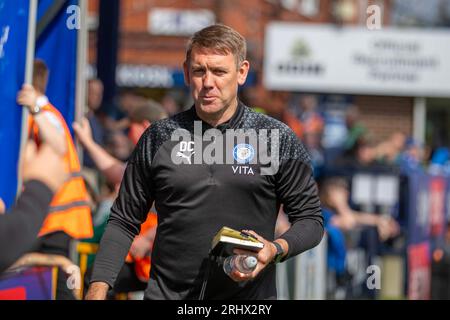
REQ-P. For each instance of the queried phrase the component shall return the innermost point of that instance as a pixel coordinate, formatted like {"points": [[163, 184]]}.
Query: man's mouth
{"points": [[208, 98]]}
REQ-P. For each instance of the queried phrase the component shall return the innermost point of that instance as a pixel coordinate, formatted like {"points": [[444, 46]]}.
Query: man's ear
{"points": [[243, 72], [145, 124], [186, 74]]}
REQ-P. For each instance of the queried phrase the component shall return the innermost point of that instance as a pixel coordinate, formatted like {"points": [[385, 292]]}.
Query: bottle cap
{"points": [[251, 262]]}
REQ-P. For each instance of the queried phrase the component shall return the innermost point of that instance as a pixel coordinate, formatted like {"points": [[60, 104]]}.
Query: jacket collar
{"points": [[232, 123]]}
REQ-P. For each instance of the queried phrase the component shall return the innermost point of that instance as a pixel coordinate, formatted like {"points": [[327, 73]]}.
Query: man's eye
{"points": [[220, 72], [198, 71]]}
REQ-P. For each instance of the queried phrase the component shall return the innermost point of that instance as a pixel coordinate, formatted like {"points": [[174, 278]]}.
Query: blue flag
{"points": [[13, 41], [57, 46]]}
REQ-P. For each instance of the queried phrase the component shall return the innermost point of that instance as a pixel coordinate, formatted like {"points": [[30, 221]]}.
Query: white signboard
{"points": [[162, 21], [355, 60], [311, 272], [144, 76]]}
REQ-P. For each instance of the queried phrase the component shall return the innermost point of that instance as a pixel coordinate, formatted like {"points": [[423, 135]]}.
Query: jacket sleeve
{"points": [[129, 211], [297, 191], [20, 226]]}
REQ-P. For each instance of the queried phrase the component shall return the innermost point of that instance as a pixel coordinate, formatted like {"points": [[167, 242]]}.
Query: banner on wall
{"points": [[419, 266], [437, 205], [34, 283], [419, 208], [428, 203]]}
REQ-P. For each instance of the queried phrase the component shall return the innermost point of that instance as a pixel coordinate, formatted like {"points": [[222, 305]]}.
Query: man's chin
{"points": [[210, 108]]}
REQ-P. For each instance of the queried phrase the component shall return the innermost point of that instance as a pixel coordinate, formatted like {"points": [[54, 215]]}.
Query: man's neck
{"points": [[218, 118]]}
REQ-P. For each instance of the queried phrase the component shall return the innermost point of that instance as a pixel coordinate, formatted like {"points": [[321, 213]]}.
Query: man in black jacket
{"points": [[201, 179]]}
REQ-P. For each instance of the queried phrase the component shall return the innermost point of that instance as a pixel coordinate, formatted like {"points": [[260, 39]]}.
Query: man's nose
{"points": [[208, 81]]}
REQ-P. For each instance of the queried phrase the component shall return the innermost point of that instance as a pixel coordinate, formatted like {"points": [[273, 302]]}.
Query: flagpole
{"points": [[82, 47], [31, 41]]}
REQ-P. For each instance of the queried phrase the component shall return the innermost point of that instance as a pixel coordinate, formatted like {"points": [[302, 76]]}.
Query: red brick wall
{"points": [[247, 17], [93, 7], [383, 115]]}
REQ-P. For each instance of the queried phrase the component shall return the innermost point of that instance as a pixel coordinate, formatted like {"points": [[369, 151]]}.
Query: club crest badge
{"points": [[243, 153]]}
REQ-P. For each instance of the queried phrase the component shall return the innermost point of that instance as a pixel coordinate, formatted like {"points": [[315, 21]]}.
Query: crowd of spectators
{"points": [[351, 227]]}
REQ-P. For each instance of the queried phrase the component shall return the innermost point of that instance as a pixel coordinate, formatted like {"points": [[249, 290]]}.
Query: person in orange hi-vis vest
{"points": [[69, 215]]}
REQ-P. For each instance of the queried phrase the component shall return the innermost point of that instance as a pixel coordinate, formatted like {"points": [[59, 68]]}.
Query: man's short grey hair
{"points": [[220, 39]]}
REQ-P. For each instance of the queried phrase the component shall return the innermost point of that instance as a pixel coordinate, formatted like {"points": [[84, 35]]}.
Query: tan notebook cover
{"points": [[228, 239]]}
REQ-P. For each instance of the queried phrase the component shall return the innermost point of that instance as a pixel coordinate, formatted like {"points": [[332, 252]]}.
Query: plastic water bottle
{"points": [[241, 263]]}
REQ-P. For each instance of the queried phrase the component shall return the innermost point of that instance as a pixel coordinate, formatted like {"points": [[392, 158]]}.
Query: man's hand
{"points": [[27, 96], [83, 131], [387, 228], [97, 291], [143, 243], [141, 247], [2, 206], [45, 165], [264, 256]]}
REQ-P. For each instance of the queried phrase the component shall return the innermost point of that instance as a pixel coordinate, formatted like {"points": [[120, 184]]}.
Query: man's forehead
{"points": [[216, 54]]}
